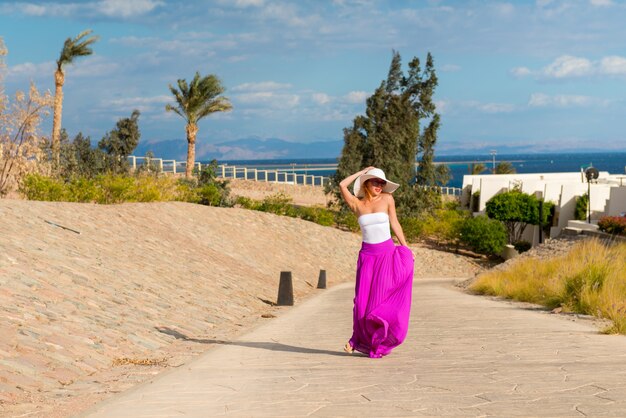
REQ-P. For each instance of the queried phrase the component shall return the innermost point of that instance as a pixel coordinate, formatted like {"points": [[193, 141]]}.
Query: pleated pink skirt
{"points": [[382, 300]]}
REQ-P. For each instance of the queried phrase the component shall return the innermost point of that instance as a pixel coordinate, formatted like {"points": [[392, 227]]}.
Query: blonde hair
{"points": [[366, 190]]}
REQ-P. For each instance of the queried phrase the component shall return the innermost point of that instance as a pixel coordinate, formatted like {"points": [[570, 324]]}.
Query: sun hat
{"points": [[390, 187]]}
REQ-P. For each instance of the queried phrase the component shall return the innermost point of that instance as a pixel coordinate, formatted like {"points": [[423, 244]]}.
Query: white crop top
{"points": [[375, 227]]}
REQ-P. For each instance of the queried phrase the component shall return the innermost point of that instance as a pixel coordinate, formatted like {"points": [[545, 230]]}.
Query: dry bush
{"points": [[590, 279], [21, 150]]}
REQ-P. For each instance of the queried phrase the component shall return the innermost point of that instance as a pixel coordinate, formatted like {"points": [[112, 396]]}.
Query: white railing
{"points": [[277, 175], [284, 176]]}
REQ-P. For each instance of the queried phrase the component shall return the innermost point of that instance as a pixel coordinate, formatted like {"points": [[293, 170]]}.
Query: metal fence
{"points": [[279, 175]]}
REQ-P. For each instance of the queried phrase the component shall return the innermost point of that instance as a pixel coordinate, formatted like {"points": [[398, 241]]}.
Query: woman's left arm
{"points": [[393, 220]]}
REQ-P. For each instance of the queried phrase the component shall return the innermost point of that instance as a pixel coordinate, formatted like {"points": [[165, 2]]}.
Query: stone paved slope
{"points": [[465, 356], [143, 287]]}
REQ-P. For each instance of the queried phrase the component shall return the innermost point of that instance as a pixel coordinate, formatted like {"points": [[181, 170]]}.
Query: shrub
{"points": [[412, 227], [318, 215], [346, 219], [38, 187], [590, 279], [613, 225], [484, 235], [522, 246], [152, 188], [209, 195], [445, 224], [116, 189], [517, 210], [82, 189], [279, 204], [580, 212], [247, 203]]}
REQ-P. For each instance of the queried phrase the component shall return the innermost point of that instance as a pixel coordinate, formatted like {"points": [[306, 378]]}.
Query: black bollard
{"points": [[285, 289], [321, 282]]}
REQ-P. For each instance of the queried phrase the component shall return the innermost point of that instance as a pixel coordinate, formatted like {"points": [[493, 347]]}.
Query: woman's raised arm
{"points": [[348, 197]]}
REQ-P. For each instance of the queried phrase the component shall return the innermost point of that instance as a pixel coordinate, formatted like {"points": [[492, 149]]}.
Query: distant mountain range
{"points": [[274, 149], [243, 149]]}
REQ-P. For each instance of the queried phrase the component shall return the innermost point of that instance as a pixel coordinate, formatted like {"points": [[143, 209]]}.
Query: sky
{"points": [[548, 75]]}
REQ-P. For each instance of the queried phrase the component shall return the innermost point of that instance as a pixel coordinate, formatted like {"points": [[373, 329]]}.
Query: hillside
{"points": [[145, 287]]}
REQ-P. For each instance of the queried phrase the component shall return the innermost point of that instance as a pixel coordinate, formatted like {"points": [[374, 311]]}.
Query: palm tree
{"points": [[72, 48], [505, 167], [477, 168], [194, 101]]}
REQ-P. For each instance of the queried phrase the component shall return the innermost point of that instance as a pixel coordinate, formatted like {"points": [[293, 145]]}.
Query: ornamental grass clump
{"points": [[590, 279]]}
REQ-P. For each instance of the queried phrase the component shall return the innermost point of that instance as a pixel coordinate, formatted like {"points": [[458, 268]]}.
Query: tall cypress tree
{"points": [[388, 136]]}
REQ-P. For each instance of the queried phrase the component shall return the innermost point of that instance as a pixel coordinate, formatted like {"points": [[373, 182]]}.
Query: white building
{"points": [[607, 194]]}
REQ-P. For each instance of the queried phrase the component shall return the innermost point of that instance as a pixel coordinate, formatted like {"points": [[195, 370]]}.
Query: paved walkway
{"points": [[464, 356]]}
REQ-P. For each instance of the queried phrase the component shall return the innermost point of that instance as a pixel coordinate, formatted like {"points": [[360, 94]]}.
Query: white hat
{"points": [[390, 187]]}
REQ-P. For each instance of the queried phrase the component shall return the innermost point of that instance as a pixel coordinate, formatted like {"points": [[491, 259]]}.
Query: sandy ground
{"points": [[258, 190], [96, 299]]}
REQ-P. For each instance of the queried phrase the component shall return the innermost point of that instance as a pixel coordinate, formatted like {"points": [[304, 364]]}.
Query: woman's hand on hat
{"points": [[365, 170]]}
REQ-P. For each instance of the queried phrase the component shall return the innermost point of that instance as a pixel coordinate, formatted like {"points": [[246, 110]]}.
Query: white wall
{"points": [[617, 201]]}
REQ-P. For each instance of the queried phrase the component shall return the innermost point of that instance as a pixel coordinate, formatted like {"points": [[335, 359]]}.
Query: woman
{"points": [[384, 275]]}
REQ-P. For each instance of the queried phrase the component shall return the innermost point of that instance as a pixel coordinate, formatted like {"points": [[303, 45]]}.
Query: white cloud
{"points": [[93, 66], [450, 68], [565, 100], [29, 70], [110, 8], [601, 3], [320, 98], [356, 97], [490, 107], [568, 66], [521, 71], [242, 4], [126, 8], [136, 101], [268, 98], [614, 65], [505, 9], [262, 86], [248, 3]]}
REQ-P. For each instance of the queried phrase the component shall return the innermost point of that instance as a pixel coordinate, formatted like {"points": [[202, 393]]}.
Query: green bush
{"points": [[209, 195], [484, 235], [318, 215], [82, 189], [516, 210], [279, 204], [522, 246], [116, 188], [346, 219], [445, 224], [247, 203], [580, 212], [613, 225], [412, 227], [38, 187]]}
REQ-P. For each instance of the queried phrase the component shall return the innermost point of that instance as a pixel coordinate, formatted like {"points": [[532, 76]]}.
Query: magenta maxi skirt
{"points": [[382, 300]]}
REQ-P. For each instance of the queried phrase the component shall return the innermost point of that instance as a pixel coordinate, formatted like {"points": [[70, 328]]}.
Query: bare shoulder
{"points": [[388, 197]]}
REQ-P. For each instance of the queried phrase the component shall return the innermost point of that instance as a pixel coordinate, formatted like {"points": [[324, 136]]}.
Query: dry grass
{"points": [[590, 279]]}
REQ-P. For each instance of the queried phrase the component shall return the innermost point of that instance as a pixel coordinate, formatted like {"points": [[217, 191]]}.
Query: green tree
{"points": [[517, 210], [119, 143], [477, 168], [72, 48], [505, 167], [483, 235], [388, 136], [194, 101]]}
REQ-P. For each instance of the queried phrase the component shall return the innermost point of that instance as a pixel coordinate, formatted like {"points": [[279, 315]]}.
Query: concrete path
{"points": [[464, 356]]}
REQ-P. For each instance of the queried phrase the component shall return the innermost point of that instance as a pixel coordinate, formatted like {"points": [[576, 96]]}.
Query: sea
{"points": [[460, 165]]}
